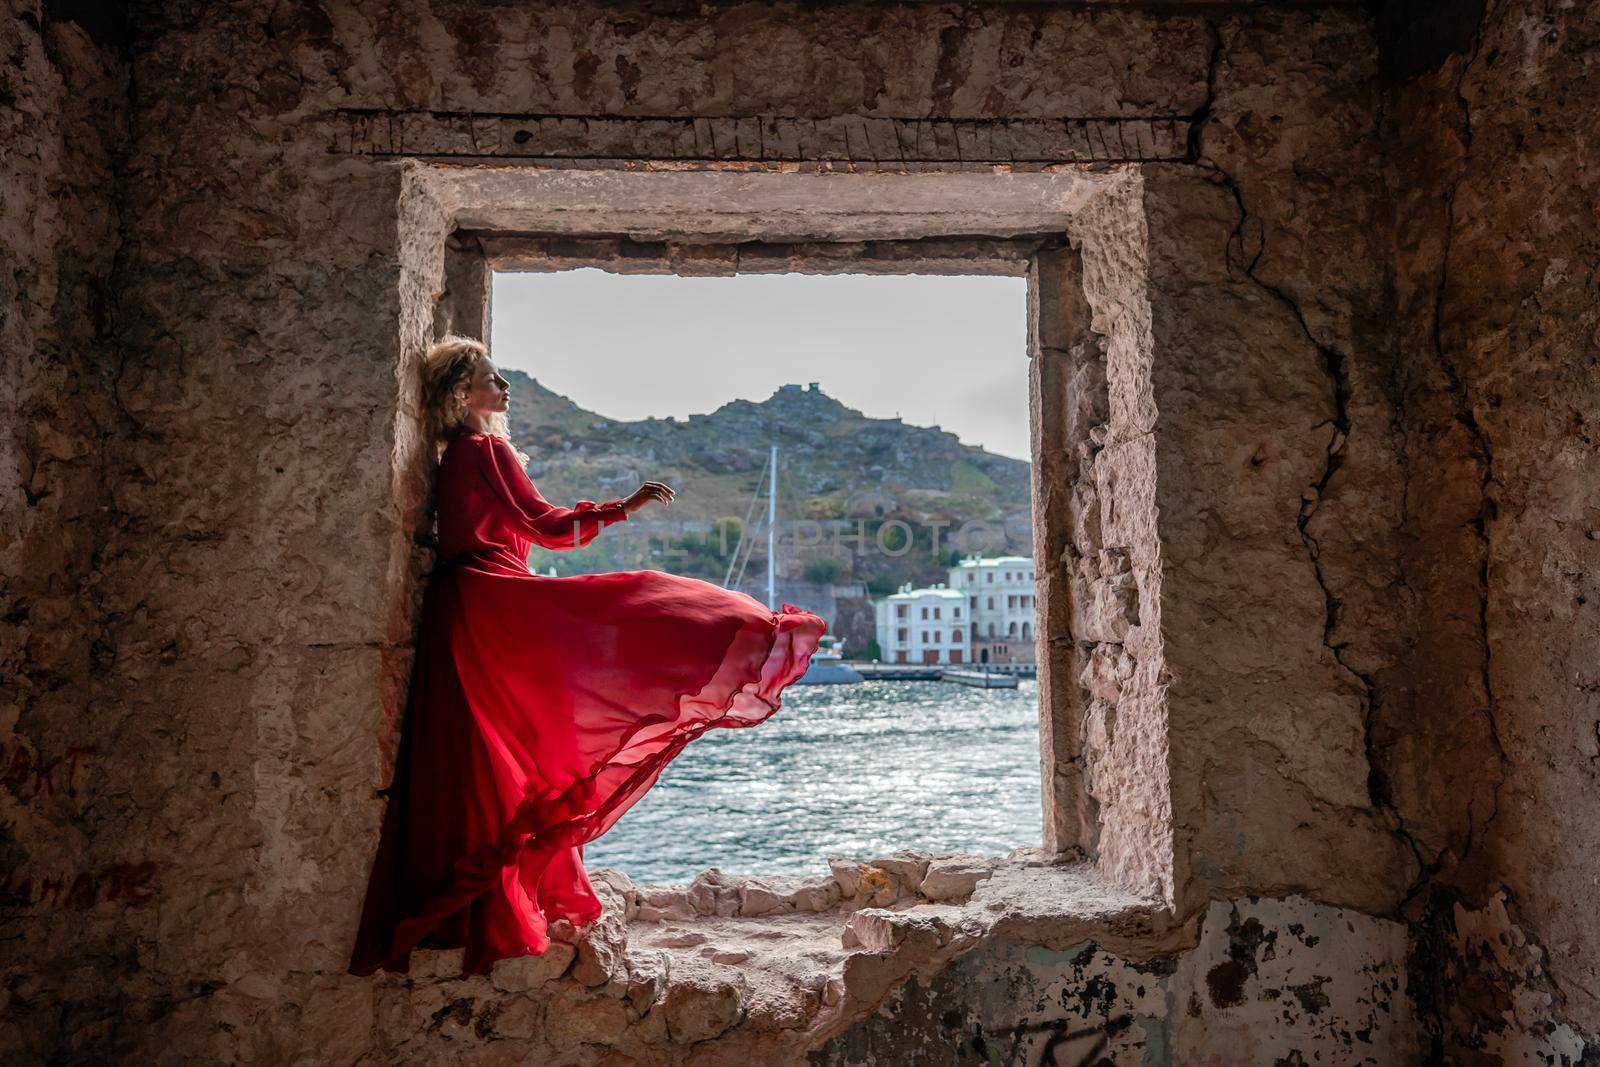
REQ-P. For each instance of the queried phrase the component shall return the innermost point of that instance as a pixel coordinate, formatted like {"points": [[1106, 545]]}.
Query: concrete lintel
{"points": [[722, 207], [1009, 257]]}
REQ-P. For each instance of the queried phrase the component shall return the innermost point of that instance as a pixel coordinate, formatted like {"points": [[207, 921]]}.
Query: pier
{"points": [[979, 679], [997, 674]]}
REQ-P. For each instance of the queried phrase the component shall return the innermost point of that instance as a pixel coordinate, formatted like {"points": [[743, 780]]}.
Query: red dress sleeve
{"points": [[548, 525]]}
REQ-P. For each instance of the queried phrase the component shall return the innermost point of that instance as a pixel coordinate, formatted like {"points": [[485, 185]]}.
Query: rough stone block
{"points": [[529, 972], [1112, 608], [703, 1008], [817, 895], [953, 878], [906, 864], [647, 978], [520, 1017], [589, 1020], [713, 893], [435, 963], [870, 929], [1109, 667], [761, 898], [602, 952], [616, 891], [846, 875]]}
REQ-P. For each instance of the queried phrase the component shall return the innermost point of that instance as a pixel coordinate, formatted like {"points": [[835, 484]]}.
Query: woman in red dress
{"points": [[541, 708]]}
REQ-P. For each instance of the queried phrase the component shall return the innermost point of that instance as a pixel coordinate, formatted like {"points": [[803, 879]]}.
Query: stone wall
{"points": [[1353, 414]]}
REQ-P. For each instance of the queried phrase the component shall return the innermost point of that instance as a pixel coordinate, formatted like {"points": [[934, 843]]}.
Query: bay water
{"points": [[848, 770]]}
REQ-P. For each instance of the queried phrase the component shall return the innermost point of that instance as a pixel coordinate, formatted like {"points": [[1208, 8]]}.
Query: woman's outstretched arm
{"points": [[549, 525]]}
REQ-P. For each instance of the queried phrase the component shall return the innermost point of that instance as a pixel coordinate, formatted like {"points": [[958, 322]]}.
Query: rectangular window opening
{"points": [[899, 405]]}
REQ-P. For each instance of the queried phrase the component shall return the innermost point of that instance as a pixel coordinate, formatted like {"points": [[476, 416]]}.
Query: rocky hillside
{"points": [[834, 463]]}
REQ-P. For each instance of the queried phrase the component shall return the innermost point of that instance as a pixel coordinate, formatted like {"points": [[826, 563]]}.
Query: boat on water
{"points": [[828, 666], [979, 677]]}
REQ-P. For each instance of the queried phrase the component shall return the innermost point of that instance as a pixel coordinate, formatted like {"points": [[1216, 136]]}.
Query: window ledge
{"points": [[811, 955]]}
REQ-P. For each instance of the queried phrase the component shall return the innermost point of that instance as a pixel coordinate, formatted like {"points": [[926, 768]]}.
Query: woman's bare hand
{"points": [[647, 492]]}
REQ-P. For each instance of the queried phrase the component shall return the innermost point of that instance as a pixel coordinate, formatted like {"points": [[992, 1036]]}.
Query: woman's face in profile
{"points": [[489, 392]]}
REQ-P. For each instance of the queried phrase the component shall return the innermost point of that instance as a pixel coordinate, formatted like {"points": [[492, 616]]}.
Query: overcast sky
{"points": [[946, 351]]}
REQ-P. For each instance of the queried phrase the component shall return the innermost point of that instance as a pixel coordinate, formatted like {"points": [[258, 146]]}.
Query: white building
{"points": [[1001, 607], [923, 626]]}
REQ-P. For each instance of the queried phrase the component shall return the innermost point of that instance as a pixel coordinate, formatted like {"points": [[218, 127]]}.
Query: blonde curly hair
{"points": [[447, 371]]}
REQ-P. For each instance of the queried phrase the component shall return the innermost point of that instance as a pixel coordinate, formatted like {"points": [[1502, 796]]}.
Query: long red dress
{"points": [[540, 710]]}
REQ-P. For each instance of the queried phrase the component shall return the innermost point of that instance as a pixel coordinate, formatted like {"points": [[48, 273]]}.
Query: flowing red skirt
{"points": [[540, 710]]}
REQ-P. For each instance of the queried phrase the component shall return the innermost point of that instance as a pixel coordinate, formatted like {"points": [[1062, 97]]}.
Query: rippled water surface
{"points": [[853, 770]]}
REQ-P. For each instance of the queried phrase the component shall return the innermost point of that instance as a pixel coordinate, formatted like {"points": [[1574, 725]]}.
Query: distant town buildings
{"points": [[922, 625], [984, 614]]}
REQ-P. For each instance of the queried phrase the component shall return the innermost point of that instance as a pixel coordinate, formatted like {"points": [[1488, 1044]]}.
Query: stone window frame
{"points": [[1076, 233]]}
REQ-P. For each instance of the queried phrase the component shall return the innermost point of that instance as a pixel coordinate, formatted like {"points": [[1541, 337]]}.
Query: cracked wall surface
{"points": [[1268, 290], [1340, 507], [1493, 764]]}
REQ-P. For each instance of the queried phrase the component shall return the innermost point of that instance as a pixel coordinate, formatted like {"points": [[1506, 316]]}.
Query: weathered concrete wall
{"points": [[1236, 490], [1365, 583], [1493, 761], [1276, 477], [270, 305], [63, 115], [1279, 981]]}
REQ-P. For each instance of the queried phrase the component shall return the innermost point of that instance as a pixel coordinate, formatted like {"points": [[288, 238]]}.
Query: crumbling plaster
{"points": [[1286, 979], [1369, 338]]}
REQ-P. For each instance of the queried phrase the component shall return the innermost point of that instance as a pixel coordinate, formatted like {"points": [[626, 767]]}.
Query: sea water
{"points": [[846, 770]]}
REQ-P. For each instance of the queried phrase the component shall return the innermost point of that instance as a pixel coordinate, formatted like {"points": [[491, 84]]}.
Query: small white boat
{"points": [[827, 665], [977, 676]]}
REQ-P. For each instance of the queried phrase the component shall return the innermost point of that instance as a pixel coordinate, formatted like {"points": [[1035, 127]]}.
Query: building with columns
{"points": [[1001, 607]]}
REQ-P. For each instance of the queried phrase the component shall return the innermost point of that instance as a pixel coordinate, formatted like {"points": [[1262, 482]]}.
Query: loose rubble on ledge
{"points": [[796, 958]]}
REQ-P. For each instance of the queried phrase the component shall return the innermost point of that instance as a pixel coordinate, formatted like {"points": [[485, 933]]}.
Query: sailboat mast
{"points": [[772, 523]]}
